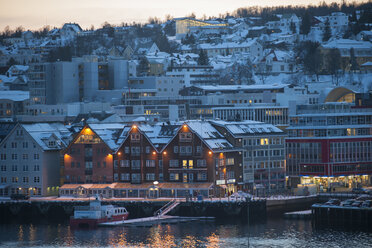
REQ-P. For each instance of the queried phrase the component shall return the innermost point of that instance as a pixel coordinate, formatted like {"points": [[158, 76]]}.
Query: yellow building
{"points": [[183, 25]]}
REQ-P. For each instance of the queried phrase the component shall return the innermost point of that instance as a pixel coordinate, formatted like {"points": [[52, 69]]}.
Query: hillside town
{"points": [[265, 103]]}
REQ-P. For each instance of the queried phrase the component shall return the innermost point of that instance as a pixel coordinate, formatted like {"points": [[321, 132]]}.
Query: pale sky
{"points": [[34, 14]]}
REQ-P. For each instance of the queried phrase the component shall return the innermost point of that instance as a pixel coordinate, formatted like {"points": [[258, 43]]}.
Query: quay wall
{"points": [[59, 211]]}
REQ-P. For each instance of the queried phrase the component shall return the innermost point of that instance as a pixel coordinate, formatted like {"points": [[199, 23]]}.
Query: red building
{"points": [[330, 145], [89, 157]]}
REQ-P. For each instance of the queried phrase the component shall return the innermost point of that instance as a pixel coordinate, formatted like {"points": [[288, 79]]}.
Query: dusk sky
{"points": [[34, 14]]}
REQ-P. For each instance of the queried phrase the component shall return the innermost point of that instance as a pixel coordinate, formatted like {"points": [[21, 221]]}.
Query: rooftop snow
{"points": [[15, 95]]}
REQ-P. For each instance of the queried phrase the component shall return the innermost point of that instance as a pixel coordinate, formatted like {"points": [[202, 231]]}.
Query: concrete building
{"points": [[263, 153]]}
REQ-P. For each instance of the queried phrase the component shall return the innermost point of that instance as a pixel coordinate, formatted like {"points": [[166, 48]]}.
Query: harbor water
{"points": [[270, 233]]}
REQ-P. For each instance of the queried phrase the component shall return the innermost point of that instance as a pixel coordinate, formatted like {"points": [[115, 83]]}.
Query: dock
{"points": [[155, 220], [303, 215]]}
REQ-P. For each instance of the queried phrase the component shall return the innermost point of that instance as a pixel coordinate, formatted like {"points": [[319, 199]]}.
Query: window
{"points": [[126, 149], [191, 164], [72, 164], [124, 163], [14, 167], [134, 137], [230, 161], [3, 179], [36, 156], [150, 176], [184, 164], [24, 156], [175, 149], [198, 149], [147, 149], [14, 144], [116, 164], [150, 163], [104, 164], [36, 179], [264, 142], [136, 177], [125, 177], [25, 145], [201, 163], [135, 150], [36, 167], [173, 176], [135, 164], [25, 180], [116, 177], [3, 156], [184, 137], [173, 163], [14, 156], [14, 179], [3, 168]]}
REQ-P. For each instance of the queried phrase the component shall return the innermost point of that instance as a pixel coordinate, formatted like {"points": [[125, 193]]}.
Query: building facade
{"points": [[330, 144]]}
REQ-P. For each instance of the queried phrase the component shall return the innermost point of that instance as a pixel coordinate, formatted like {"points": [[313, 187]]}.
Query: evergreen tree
{"points": [[312, 59], [306, 23], [143, 67], [353, 63], [334, 63], [327, 31], [293, 28], [203, 58], [11, 62], [162, 42]]}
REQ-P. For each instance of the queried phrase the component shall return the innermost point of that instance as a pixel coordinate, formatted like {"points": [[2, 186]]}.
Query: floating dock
{"points": [[303, 215], [149, 221], [327, 214]]}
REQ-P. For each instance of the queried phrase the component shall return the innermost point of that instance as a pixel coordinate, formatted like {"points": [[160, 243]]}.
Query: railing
{"points": [[166, 208]]}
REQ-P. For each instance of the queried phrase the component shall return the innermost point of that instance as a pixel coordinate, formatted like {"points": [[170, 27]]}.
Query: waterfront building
{"points": [[263, 152], [31, 160], [13, 102], [330, 144], [89, 157]]}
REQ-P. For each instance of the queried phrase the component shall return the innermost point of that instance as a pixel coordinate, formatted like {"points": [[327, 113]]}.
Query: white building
{"points": [[30, 159]]}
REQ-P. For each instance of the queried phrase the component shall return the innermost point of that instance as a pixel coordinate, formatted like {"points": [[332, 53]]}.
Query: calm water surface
{"points": [[273, 233]]}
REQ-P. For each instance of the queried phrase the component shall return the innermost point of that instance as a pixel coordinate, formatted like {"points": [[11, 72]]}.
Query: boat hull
{"points": [[93, 223]]}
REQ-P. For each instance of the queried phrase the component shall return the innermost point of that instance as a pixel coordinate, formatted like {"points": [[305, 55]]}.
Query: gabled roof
{"points": [[109, 133], [209, 135], [41, 132]]}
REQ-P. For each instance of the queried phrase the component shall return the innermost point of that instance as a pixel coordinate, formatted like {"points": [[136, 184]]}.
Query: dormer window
{"points": [[51, 143]]}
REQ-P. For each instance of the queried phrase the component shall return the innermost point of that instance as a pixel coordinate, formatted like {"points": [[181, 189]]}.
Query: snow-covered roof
{"points": [[209, 134], [248, 127], [15, 95], [348, 44], [44, 132], [109, 133], [226, 45], [241, 87]]}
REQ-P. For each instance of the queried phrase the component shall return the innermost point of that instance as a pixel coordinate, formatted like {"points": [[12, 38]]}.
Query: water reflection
{"points": [[273, 233]]}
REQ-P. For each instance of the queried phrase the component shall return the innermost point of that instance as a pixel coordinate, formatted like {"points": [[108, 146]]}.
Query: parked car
{"points": [[333, 202], [358, 191], [367, 204], [347, 203], [240, 196], [357, 203], [19, 197], [364, 197]]}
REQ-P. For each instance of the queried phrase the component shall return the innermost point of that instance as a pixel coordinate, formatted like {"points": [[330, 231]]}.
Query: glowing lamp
{"points": [[165, 153], [134, 126], [210, 153], [119, 153], [185, 126], [153, 153]]}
